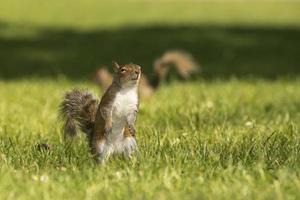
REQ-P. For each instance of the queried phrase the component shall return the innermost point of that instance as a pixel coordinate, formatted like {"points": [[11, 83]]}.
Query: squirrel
{"points": [[110, 124], [182, 61]]}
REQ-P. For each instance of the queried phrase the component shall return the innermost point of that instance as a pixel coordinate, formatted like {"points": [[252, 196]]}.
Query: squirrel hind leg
{"points": [[103, 152], [129, 147]]}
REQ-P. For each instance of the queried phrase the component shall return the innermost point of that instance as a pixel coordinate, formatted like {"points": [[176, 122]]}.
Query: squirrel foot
{"points": [[132, 130], [107, 131]]}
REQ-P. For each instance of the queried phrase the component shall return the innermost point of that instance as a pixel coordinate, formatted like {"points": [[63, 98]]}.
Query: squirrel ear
{"points": [[116, 66]]}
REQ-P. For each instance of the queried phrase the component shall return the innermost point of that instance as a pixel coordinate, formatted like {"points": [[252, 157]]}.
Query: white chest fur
{"points": [[125, 102]]}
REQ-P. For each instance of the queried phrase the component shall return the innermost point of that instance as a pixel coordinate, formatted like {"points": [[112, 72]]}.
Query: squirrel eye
{"points": [[123, 70]]}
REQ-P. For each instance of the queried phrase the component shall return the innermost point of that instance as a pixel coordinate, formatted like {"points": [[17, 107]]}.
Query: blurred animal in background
{"points": [[146, 90], [103, 78], [183, 63]]}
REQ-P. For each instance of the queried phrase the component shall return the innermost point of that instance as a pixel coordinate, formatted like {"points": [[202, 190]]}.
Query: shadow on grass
{"points": [[222, 51]]}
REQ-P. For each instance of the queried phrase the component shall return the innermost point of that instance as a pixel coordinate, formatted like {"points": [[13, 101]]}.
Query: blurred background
{"points": [[241, 38]]}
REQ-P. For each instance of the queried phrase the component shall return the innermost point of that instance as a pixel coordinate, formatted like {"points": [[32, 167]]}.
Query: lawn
{"points": [[231, 133], [220, 139]]}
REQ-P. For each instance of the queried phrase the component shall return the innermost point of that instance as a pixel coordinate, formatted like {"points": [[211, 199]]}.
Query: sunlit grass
{"points": [[220, 139], [95, 14], [214, 138]]}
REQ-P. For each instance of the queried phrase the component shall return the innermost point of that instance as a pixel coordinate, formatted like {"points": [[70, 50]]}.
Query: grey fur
{"points": [[131, 118], [78, 109]]}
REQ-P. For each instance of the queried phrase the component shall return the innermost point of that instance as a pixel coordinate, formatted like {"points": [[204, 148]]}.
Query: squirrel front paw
{"points": [[132, 130], [107, 131]]}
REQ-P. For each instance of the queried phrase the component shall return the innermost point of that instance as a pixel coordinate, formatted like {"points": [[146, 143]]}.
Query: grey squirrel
{"points": [[110, 124], [182, 61]]}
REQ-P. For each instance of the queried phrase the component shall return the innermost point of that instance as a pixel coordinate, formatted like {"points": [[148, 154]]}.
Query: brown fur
{"points": [[145, 89], [103, 78], [183, 62], [122, 77]]}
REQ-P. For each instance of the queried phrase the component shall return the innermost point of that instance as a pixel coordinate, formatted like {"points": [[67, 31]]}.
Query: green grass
{"points": [[236, 139], [227, 38], [232, 133], [102, 14]]}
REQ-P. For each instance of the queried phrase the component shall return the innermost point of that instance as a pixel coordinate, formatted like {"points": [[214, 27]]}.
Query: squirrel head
{"points": [[127, 75]]}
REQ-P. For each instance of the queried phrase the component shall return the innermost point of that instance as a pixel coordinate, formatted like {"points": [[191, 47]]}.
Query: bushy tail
{"points": [[78, 109]]}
